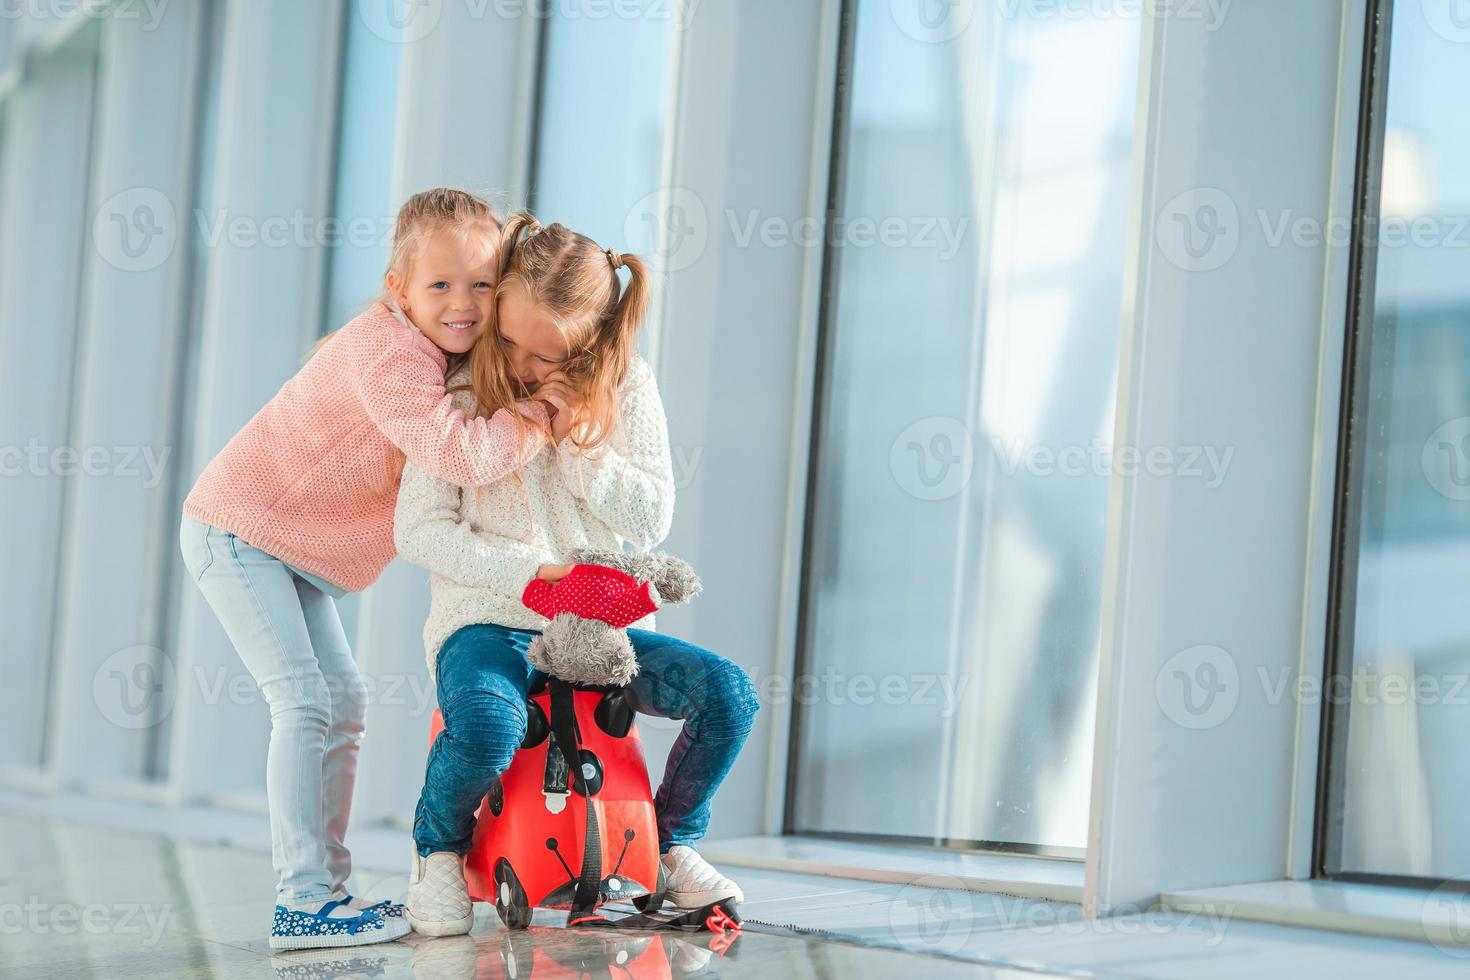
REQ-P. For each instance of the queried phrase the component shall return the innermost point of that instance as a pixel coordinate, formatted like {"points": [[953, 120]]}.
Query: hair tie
{"points": [[614, 258]]}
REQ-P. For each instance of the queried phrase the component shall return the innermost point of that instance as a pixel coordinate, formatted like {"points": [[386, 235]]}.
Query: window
{"points": [[363, 194], [1399, 701], [362, 205], [600, 137], [46, 168], [959, 483]]}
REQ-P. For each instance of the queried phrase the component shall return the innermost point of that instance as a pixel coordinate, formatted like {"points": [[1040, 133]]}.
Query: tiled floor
{"points": [[84, 900]]}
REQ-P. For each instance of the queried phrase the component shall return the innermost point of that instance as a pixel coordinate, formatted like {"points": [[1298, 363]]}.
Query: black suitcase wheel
{"points": [[511, 902], [653, 901], [614, 713], [537, 726]]}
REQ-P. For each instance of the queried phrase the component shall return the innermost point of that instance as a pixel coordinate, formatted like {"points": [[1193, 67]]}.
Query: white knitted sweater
{"points": [[481, 555]]}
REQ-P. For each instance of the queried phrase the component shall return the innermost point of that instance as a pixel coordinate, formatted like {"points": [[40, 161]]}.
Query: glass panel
{"points": [[1404, 777], [951, 630], [604, 89], [362, 206], [47, 169], [363, 200], [205, 203]]}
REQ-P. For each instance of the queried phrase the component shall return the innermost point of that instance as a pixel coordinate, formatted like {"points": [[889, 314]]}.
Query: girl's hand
{"points": [[564, 401], [553, 573]]}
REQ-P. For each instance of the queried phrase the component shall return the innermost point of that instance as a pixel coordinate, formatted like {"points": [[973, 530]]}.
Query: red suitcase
{"points": [[550, 837]]}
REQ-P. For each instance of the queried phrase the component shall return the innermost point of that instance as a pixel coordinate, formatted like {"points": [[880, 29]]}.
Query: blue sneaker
{"points": [[299, 929]]}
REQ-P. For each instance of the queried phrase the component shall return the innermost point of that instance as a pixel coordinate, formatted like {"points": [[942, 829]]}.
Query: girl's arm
{"points": [[632, 492], [402, 389], [429, 531]]}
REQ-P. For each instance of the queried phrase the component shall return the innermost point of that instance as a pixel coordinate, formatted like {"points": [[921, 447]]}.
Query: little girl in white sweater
{"points": [[564, 331]]}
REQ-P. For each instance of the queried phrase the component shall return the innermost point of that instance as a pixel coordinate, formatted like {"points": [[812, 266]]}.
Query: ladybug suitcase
{"points": [[549, 836]]}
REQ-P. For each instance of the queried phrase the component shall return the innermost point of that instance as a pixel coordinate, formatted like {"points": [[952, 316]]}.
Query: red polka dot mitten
{"points": [[590, 608]]}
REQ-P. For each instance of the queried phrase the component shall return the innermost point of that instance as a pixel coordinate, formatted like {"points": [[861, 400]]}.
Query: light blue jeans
{"points": [[287, 632]]}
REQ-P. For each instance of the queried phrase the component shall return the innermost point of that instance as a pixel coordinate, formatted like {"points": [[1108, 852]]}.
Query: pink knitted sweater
{"points": [[313, 478]]}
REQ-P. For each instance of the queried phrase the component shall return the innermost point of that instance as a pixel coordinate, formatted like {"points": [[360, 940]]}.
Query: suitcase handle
{"points": [[564, 731]]}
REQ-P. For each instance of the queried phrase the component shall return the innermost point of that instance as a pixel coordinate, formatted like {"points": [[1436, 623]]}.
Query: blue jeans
{"points": [[483, 679], [286, 631]]}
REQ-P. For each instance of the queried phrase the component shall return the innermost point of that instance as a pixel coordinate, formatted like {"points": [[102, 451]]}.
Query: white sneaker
{"points": [[691, 882], [438, 898]]}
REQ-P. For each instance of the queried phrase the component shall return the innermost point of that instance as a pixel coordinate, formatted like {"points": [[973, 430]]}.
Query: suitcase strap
{"points": [[564, 730]]}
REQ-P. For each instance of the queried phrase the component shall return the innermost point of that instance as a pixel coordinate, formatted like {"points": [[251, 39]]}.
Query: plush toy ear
{"points": [[583, 651], [601, 556], [641, 565]]}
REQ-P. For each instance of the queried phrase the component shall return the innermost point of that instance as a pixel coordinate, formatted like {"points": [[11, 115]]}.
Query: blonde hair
{"points": [[468, 217], [575, 282], [426, 214]]}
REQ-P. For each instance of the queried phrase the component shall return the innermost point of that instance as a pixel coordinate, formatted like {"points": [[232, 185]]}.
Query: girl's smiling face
{"points": [[449, 291], [532, 343]]}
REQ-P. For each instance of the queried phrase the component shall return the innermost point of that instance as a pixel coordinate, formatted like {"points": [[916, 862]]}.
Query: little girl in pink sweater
{"points": [[297, 509]]}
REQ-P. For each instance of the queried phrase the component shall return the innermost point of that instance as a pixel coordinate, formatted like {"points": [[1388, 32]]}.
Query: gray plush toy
{"points": [[586, 640]]}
